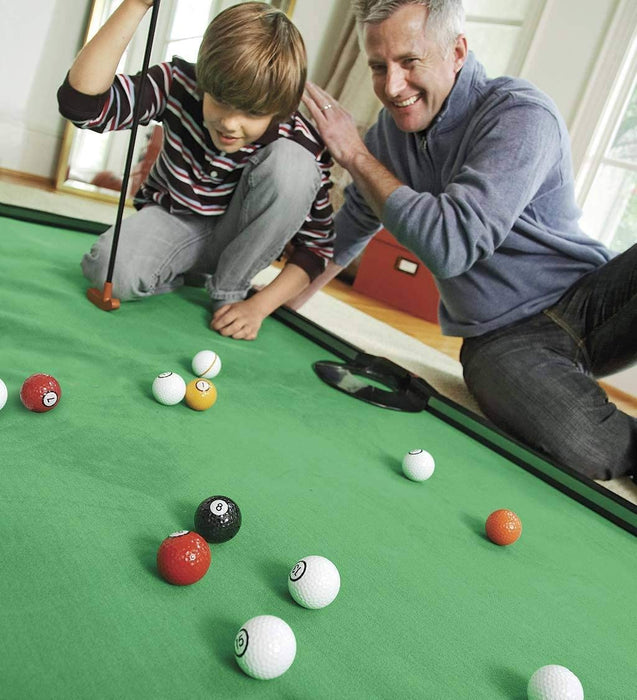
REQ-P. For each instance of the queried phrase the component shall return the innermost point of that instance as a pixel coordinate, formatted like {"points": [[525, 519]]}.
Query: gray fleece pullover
{"points": [[488, 203]]}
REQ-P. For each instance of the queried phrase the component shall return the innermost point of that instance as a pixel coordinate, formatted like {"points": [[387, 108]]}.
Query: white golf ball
{"points": [[206, 364], [3, 394], [265, 647], [314, 582], [554, 682], [418, 465], [169, 388]]}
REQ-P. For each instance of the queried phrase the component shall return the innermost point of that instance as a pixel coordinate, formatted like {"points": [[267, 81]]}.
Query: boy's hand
{"points": [[240, 320]]}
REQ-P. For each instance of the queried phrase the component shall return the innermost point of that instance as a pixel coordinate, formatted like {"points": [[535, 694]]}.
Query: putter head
{"points": [[103, 299]]}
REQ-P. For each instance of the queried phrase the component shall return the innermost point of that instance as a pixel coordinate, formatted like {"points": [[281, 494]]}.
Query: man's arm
{"points": [[93, 70], [500, 174], [242, 319]]}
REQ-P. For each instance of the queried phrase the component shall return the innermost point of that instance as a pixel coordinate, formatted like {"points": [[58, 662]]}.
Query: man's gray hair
{"points": [[445, 20]]}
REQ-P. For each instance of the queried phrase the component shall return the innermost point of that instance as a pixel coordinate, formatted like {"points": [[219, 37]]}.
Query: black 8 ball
{"points": [[218, 519]]}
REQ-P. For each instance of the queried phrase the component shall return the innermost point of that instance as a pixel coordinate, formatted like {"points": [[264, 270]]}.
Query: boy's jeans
{"points": [[535, 379], [156, 249]]}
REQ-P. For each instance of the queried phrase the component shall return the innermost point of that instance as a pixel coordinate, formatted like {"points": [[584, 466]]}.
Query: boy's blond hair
{"points": [[252, 58]]}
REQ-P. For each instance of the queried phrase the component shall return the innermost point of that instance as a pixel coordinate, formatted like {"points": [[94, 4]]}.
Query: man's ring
{"points": [[326, 107]]}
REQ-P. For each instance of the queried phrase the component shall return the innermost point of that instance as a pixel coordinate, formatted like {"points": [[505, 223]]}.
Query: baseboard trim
{"points": [[616, 394], [29, 179]]}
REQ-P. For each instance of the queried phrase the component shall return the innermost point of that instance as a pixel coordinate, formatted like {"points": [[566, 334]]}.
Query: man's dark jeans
{"points": [[535, 379]]}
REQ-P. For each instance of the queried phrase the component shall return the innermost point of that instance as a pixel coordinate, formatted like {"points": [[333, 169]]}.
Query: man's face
{"points": [[231, 129], [410, 73]]}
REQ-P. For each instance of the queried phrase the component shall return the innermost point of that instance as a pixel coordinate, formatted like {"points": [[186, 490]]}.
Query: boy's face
{"points": [[231, 129]]}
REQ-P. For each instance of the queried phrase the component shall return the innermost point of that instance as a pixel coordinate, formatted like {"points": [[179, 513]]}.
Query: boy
{"points": [[240, 175]]}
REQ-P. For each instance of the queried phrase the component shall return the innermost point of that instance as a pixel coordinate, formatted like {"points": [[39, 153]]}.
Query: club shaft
{"points": [[131, 144]]}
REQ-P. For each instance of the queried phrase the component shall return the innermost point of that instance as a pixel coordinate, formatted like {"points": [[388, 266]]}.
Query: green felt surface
{"points": [[428, 606]]}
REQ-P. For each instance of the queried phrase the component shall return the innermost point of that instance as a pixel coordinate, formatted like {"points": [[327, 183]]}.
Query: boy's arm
{"points": [[242, 319], [93, 70], [331, 270]]}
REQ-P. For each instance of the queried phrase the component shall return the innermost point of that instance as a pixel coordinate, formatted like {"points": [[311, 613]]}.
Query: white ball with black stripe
{"points": [[418, 465]]}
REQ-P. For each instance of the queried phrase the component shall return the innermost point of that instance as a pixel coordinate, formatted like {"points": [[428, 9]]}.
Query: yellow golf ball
{"points": [[200, 394]]}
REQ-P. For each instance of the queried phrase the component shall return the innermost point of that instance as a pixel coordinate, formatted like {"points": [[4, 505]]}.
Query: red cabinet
{"points": [[392, 274]]}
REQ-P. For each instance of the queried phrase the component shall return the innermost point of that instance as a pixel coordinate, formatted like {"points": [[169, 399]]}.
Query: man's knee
{"points": [[600, 445], [604, 447], [575, 426]]}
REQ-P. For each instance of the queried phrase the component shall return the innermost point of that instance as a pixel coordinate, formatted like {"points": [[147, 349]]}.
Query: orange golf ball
{"points": [[200, 394], [503, 527]]}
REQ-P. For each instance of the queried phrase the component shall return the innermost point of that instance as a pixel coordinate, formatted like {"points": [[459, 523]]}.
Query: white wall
{"points": [[38, 41]]}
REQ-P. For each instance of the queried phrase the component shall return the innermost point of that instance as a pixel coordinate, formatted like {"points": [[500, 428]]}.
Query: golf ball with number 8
{"points": [[217, 519]]}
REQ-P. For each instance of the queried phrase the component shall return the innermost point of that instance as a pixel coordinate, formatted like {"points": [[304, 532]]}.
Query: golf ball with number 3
{"points": [[265, 647], [554, 682], [314, 582], [418, 465]]}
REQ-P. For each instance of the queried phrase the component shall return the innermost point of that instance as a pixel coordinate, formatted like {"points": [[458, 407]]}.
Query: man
{"points": [[475, 177]]}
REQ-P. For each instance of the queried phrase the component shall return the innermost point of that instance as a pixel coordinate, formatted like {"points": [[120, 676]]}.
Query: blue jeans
{"points": [[535, 379], [157, 251]]}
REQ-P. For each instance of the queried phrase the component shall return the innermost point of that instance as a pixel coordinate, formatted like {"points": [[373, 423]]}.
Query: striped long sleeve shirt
{"points": [[190, 174]]}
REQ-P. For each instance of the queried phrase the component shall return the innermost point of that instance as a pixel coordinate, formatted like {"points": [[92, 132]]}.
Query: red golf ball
{"points": [[183, 558], [40, 393]]}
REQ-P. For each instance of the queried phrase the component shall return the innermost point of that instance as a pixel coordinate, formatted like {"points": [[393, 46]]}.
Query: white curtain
{"points": [[350, 83]]}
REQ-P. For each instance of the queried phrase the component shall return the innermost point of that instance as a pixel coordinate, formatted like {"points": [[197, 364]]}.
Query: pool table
{"points": [[428, 606]]}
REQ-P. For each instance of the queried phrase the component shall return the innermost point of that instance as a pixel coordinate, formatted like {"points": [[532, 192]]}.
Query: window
{"points": [[607, 185], [499, 32], [188, 22]]}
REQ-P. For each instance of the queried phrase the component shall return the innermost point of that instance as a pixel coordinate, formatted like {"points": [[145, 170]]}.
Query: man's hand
{"points": [[240, 320], [335, 124], [338, 130]]}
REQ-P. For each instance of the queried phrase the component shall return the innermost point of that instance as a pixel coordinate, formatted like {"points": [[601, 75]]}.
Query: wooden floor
{"points": [[424, 331]]}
